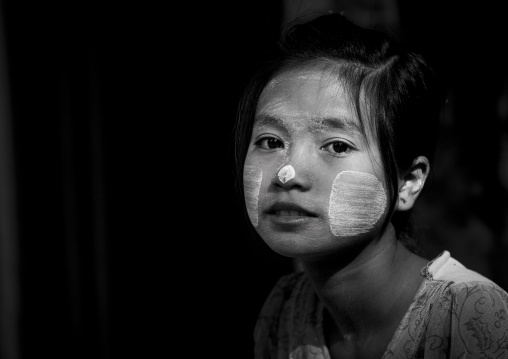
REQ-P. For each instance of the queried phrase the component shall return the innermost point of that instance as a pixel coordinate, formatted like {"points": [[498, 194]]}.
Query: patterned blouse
{"points": [[456, 313]]}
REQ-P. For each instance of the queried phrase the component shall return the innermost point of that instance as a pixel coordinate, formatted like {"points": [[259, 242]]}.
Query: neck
{"points": [[371, 292]]}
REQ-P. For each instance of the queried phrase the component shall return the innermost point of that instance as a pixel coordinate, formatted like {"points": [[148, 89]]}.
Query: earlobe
{"points": [[411, 185]]}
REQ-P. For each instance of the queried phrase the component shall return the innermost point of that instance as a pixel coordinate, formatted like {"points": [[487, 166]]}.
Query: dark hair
{"points": [[402, 91]]}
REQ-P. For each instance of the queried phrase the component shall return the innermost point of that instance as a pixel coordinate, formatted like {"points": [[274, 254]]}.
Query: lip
{"points": [[289, 212]]}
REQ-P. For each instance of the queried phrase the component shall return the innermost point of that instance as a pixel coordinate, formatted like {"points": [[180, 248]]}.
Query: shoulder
{"points": [[479, 319], [287, 304], [464, 285], [289, 282], [446, 268], [477, 308], [285, 287], [283, 294], [469, 291]]}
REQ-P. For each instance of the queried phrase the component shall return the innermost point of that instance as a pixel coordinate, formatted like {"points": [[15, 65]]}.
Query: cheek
{"points": [[357, 202], [252, 178]]}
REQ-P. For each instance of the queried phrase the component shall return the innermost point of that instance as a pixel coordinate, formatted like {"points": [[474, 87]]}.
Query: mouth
{"points": [[286, 209], [290, 213]]}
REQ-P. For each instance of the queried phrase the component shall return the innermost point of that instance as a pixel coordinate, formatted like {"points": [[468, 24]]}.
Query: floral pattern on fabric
{"points": [[445, 320], [454, 320]]}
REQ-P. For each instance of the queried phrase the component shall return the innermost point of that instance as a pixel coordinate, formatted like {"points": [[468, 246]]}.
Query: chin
{"points": [[298, 245], [312, 243]]}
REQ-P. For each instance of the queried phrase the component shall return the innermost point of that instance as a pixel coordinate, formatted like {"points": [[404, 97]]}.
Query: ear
{"points": [[411, 184]]}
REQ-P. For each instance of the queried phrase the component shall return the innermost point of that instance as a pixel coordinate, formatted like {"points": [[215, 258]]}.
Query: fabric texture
{"points": [[456, 313]]}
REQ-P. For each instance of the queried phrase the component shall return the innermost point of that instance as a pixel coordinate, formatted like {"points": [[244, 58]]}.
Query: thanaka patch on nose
{"points": [[357, 201], [252, 178], [286, 173]]}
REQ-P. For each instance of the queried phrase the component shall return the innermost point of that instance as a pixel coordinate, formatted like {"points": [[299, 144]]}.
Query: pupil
{"points": [[273, 143], [339, 147]]}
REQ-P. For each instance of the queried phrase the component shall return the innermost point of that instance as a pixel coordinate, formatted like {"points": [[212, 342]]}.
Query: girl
{"points": [[335, 137]]}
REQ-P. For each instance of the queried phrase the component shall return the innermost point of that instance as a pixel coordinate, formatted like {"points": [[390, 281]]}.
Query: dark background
{"points": [[130, 240]]}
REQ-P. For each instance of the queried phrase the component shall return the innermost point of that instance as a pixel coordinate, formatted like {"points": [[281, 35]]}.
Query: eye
{"points": [[338, 148], [269, 143]]}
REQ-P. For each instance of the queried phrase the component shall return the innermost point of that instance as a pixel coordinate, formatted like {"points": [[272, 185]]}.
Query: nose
{"points": [[296, 171], [286, 174], [289, 177], [292, 177]]}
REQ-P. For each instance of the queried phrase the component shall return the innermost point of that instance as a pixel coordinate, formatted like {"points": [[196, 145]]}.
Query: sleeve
{"points": [[479, 321], [269, 337]]}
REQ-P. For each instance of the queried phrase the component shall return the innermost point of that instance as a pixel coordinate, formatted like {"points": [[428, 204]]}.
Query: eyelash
{"points": [[347, 150], [261, 143]]}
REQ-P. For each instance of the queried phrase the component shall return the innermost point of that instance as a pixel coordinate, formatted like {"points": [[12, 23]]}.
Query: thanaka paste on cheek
{"points": [[286, 173], [252, 178], [357, 201]]}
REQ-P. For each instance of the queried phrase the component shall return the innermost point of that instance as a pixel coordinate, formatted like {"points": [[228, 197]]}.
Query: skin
{"points": [[358, 277]]}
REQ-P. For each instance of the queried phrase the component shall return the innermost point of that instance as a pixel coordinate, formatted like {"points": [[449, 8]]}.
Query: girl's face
{"points": [[312, 186]]}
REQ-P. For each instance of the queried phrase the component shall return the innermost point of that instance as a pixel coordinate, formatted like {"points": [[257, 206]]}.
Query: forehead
{"points": [[305, 93]]}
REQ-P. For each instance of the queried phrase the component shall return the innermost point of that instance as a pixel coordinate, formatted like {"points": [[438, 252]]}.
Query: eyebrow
{"points": [[316, 123], [270, 121], [334, 123]]}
